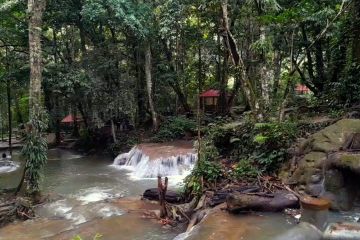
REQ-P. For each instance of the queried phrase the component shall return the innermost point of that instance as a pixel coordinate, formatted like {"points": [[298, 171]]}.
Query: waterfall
{"points": [[142, 166]]}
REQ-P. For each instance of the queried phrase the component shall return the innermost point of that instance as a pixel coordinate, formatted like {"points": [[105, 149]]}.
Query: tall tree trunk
{"points": [[57, 120], [234, 93], [113, 131], [83, 115], [319, 59], [222, 104], [149, 85], [239, 63], [1, 123], [19, 115], [8, 91], [356, 32], [140, 86], [200, 63], [310, 64], [277, 73], [8, 95], [266, 73], [35, 9], [57, 101], [175, 85]]}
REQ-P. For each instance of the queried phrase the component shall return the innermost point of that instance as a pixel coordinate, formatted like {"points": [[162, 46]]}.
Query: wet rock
{"points": [[322, 159], [342, 231], [314, 189], [347, 160], [171, 196], [316, 178], [237, 202], [303, 231], [353, 115], [334, 180]]}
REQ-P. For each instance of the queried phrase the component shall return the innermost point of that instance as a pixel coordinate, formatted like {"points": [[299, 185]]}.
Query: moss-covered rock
{"points": [[348, 160], [322, 162]]}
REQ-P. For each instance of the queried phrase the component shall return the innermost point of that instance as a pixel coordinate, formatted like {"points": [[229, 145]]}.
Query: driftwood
{"points": [[19, 208], [181, 212], [279, 201], [196, 218]]}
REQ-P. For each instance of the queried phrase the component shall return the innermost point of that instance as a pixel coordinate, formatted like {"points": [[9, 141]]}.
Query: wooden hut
{"points": [[209, 100], [301, 89]]}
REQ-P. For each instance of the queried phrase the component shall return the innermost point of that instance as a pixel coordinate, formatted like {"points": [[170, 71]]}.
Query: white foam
{"points": [[76, 218], [95, 194], [141, 167], [7, 166], [110, 211]]}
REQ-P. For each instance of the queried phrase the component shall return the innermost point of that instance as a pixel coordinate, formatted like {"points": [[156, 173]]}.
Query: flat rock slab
{"points": [[342, 231]]}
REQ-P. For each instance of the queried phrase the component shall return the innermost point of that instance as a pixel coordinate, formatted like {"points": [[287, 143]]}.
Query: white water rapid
{"points": [[141, 166], [7, 166]]}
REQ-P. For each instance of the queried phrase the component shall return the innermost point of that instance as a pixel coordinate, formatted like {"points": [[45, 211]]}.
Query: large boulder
{"points": [[342, 231], [237, 202], [303, 231], [327, 165]]}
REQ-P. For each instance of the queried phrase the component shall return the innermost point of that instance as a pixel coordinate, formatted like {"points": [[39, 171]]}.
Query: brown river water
{"points": [[94, 197]]}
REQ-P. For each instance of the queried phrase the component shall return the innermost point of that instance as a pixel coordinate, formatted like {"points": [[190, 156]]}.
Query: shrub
{"points": [[174, 128], [205, 171], [246, 168], [264, 145], [271, 143]]}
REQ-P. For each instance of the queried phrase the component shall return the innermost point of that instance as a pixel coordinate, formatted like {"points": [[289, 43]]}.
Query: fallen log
{"points": [[220, 197], [237, 202], [170, 196]]}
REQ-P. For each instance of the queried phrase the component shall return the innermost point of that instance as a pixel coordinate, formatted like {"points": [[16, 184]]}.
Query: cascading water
{"points": [[142, 166], [7, 166]]}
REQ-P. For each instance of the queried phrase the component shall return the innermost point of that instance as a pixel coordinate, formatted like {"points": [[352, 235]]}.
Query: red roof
{"points": [[70, 119], [302, 88], [210, 93]]}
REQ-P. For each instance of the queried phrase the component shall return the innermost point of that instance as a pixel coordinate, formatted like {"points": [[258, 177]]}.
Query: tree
{"points": [[149, 84], [35, 149]]}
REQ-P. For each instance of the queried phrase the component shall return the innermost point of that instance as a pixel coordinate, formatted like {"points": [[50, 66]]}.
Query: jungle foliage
{"points": [[120, 65]]}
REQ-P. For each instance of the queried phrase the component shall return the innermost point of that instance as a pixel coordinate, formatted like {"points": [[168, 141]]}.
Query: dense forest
{"points": [[139, 60], [244, 78]]}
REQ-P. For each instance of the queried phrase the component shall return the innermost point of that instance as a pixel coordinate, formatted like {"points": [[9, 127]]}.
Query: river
{"points": [[94, 197]]}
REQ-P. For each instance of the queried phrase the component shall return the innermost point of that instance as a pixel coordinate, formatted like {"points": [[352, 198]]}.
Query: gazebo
{"points": [[302, 89], [209, 100], [69, 119]]}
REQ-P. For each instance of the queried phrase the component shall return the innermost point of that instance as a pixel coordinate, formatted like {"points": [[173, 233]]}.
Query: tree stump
{"points": [[162, 188]]}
